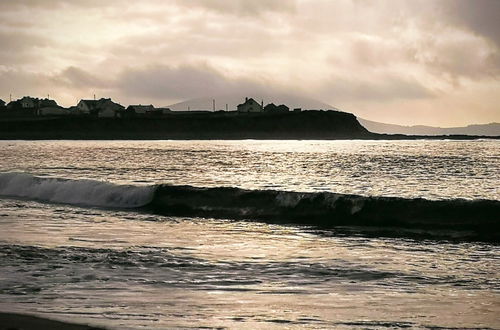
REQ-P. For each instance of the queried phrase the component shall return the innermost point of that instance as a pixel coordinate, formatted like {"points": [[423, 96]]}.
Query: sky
{"points": [[430, 62]]}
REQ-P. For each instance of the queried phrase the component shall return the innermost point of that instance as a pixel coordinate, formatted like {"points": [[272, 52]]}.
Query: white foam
{"points": [[78, 192]]}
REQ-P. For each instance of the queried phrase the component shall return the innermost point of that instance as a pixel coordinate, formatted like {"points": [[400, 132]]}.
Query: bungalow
{"points": [[109, 109], [163, 110], [272, 108], [47, 103], [87, 106], [103, 108], [143, 110], [250, 105]]}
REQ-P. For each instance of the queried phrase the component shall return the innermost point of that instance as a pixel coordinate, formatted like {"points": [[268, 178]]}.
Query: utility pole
{"points": [[226, 106], [10, 97], [94, 97], [213, 104]]}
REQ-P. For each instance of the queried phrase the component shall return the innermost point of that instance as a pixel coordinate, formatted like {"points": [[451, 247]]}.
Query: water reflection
{"points": [[143, 270], [431, 169]]}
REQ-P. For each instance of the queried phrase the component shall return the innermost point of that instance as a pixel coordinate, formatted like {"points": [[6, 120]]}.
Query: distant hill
{"points": [[232, 100], [297, 101], [492, 129]]}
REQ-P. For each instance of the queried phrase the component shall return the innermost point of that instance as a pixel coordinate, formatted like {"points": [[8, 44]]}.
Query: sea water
{"points": [[76, 244]]}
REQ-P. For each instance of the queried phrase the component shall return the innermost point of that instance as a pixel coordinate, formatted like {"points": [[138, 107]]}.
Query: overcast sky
{"points": [[431, 62]]}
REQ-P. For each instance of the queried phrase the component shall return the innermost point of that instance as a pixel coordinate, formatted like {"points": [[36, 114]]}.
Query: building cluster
{"points": [[102, 108], [106, 108], [250, 105]]}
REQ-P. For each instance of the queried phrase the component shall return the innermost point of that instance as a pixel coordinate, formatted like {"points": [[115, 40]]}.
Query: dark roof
{"points": [[47, 103], [95, 104], [140, 106], [249, 100]]}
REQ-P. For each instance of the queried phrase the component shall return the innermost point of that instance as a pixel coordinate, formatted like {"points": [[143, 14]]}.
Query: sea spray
{"points": [[78, 192]]}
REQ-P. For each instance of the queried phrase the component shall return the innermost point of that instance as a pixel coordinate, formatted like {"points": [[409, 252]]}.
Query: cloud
{"points": [[13, 5], [79, 78], [19, 41], [20, 83], [165, 82], [479, 16], [366, 90], [357, 52], [242, 7]]}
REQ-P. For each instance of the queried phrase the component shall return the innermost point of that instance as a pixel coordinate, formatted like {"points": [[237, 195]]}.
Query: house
{"points": [[103, 108], [32, 103], [145, 110], [15, 109], [28, 102], [87, 106], [14, 105], [141, 109], [272, 108], [250, 105], [47, 103], [163, 110], [108, 109]]}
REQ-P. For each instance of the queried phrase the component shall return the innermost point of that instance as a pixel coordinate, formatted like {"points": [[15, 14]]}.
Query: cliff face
{"points": [[219, 125]]}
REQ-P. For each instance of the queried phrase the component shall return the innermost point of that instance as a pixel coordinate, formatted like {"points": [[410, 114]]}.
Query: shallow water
{"points": [[130, 269]]}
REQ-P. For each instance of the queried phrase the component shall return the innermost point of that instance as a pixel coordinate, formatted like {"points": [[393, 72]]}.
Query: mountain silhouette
{"points": [[492, 129], [232, 100]]}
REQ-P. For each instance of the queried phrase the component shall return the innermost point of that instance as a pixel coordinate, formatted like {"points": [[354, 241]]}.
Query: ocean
{"points": [[252, 234]]}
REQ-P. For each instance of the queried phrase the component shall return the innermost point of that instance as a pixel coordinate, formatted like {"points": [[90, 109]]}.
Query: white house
{"points": [[250, 105], [87, 106]]}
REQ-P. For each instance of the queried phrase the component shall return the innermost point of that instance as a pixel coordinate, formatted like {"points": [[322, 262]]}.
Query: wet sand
{"points": [[11, 321]]}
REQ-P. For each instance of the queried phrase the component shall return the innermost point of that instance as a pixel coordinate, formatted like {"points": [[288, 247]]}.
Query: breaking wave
{"points": [[320, 209], [78, 192]]}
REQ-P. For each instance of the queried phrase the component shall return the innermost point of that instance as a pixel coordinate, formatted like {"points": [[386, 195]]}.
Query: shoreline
{"points": [[308, 125], [17, 321]]}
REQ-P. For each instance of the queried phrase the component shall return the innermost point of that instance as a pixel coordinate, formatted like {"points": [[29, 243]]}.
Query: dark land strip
{"points": [[306, 125]]}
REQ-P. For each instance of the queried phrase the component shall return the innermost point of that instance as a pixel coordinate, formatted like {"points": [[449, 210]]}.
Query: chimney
{"points": [[246, 99]]}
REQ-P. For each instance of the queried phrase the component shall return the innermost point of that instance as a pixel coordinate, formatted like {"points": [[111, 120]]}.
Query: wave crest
{"points": [[322, 209], [79, 192]]}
